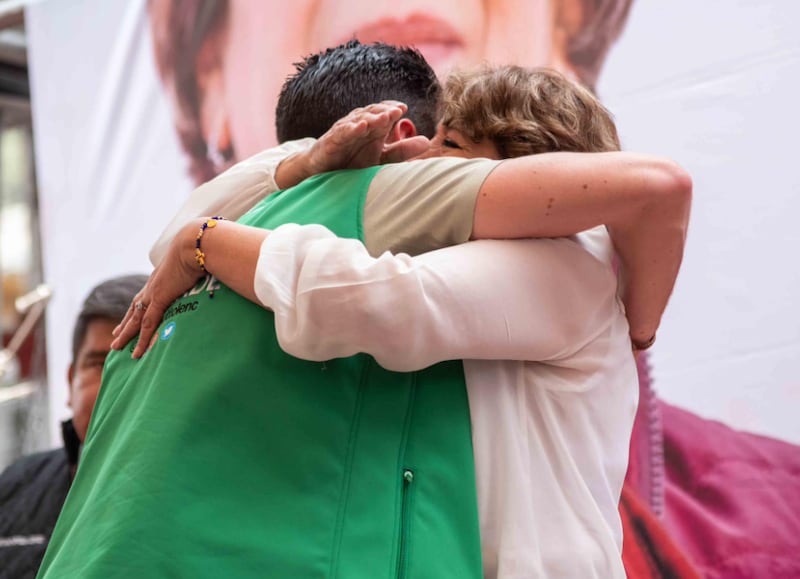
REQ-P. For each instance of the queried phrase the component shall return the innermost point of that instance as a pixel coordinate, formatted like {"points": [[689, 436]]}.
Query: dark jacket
{"points": [[32, 492]]}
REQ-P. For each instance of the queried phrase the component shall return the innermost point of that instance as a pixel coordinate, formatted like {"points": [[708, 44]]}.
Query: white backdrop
{"points": [[714, 85], [711, 84], [109, 168]]}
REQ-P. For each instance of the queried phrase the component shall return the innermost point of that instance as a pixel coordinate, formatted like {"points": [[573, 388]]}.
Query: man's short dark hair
{"points": [[330, 84], [108, 300]]}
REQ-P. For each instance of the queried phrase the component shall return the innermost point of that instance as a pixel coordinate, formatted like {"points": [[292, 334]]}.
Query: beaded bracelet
{"points": [[199, 256]]}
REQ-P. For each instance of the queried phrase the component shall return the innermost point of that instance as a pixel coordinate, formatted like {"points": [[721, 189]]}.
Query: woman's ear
{"points": [[568, 18]]}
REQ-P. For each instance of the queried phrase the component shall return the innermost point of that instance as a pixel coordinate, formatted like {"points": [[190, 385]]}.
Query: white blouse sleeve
{"points": [[230, 194], [503, 300]]}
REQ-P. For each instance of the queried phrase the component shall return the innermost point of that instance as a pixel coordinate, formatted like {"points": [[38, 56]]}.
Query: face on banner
{"points": [[448, 32], [225, 82]]}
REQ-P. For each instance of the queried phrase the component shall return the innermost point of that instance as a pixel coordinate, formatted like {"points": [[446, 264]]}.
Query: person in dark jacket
{"points": [[33, 489]]}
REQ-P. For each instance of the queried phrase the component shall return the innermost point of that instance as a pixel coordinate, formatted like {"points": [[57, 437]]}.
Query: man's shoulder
{"points": [[428, 179], [438, 165], [33, 465], [32, 492], [34, 475], [423, 205]]}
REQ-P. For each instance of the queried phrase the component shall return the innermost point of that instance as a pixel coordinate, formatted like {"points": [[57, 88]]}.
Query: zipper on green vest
{"points": [[405, 522]]}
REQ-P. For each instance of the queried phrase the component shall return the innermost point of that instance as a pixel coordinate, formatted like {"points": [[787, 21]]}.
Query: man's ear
{"points": [[402, 129], [70, 377]]}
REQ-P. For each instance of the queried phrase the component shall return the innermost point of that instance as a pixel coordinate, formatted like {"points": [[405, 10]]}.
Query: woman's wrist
{"points": [[643, 344], [187, 242]]}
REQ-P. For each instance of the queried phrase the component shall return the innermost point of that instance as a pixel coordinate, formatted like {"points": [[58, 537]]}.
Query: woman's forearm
{"points": [[230, 252]]}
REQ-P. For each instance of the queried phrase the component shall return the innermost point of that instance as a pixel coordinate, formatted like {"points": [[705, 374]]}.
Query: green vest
{"points": [[218, 455]]}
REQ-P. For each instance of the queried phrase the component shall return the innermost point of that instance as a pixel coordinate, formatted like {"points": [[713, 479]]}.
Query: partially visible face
{"points": [[265, 37], [453, 143], [86, 370]]}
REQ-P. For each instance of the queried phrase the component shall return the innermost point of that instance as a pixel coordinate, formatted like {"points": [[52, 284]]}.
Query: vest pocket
{"points": [[406, 505]]}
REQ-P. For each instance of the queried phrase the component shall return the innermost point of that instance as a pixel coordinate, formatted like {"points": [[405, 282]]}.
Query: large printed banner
{"points": [[134, 104]]}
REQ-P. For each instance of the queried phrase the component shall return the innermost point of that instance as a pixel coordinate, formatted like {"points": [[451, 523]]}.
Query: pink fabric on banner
{"points": [[732, 498], [648, 550]]}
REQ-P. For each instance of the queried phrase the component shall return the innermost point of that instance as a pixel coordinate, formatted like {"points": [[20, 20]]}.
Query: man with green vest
{"points": [[218, 455]]}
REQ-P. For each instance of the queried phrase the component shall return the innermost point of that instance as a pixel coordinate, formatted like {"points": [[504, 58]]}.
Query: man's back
{"points": [[245, 461]]}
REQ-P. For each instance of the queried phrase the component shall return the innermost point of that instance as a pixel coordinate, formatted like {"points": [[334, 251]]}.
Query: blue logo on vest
{"points": [[168, 330]]}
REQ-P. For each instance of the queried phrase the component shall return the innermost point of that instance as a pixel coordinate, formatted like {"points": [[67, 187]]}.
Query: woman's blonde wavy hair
{"points": [[525, 111]]}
